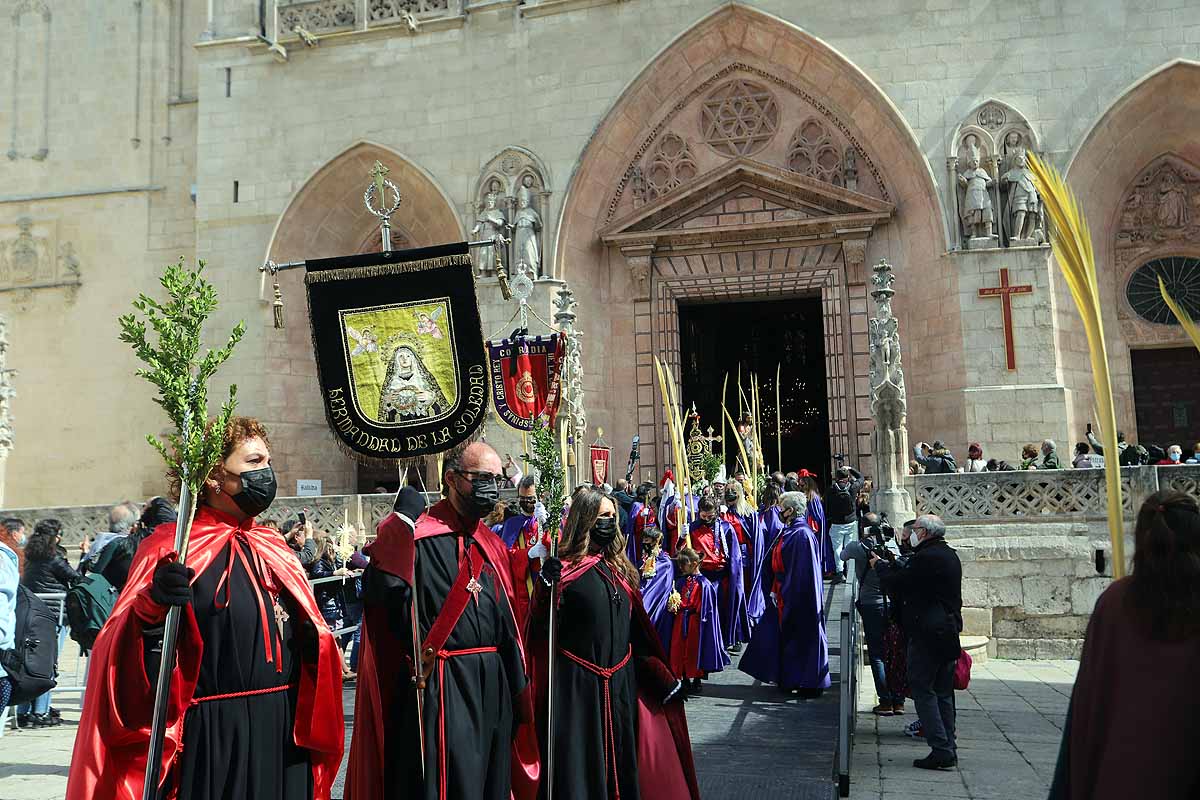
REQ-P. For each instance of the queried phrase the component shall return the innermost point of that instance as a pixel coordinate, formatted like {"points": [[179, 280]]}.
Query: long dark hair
{"points": [[43, 544], [576, 539], [1165, 587]]}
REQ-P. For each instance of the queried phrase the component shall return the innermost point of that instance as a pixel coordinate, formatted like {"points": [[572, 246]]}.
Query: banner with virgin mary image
{"points": [[400, 353]]}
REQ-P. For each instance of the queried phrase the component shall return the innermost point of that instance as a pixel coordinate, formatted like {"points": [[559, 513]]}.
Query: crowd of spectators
{"points": [[937, 459]]}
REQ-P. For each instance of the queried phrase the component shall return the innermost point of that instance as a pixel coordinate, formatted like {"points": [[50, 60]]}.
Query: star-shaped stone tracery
{"points": [[739, 118]]}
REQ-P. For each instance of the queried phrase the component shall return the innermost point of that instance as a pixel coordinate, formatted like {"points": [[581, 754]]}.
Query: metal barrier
{"points": [[849, 657]]}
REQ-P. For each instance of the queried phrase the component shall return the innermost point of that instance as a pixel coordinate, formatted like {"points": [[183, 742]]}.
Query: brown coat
{"points": [[1135, 714]]}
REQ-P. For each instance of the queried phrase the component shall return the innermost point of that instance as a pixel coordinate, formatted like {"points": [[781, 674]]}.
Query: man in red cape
{"points": [[109, 761], [475, 737]]}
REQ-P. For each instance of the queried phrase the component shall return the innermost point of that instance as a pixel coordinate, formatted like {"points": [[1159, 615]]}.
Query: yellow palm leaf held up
{"points": [[1072, 242], [1185, 319]]}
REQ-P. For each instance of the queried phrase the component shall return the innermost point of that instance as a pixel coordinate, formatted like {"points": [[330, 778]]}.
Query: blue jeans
{"points": [[842, 535], [41, 704], [874, 624]]}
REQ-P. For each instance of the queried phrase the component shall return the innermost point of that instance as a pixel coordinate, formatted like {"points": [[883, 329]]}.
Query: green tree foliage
{"points": [[546, 458], [174, 365]]}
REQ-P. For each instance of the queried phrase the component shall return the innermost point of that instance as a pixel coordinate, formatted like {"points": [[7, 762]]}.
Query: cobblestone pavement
{"points": [[1009, 727]]}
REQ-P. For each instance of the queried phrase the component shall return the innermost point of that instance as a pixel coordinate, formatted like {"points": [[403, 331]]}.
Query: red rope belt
{"points": [[605, 674], [251, 693], [442, 656]]}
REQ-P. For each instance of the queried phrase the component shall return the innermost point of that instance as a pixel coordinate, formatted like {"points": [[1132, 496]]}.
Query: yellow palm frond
{"points": [[1073, 251], [1185, 319]]}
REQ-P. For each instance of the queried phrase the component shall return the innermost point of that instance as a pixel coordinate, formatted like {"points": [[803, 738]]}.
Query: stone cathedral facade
{"points": [[650, 153]]}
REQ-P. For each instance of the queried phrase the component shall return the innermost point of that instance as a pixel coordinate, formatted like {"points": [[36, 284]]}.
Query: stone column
{"points": [[889, 403], [6, 394]]}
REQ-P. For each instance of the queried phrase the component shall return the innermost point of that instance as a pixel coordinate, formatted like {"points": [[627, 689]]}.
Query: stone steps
{"points": [[976, 647]]}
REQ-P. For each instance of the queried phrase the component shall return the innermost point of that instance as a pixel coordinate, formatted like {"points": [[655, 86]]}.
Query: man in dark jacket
{"points": [[841, 508], [931, 584]]}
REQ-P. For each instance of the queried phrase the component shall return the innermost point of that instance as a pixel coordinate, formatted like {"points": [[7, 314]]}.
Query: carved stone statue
{"points": [[888, 401], [976, 208], [528, 226], [1023, 204], [1172, 202], [489, 224]]}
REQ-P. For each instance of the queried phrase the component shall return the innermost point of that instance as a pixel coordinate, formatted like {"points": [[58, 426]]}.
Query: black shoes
{"points": [[695, 687], [37, 721], [935, 761]]}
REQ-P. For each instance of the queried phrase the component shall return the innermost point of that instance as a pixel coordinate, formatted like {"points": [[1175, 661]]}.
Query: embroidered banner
{"points": [[399, 347], [601, 456], [526, 382]]}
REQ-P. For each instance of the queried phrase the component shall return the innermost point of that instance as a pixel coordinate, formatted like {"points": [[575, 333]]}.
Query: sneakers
{"points": [[913, 729], [935, 761], [882, 710]]}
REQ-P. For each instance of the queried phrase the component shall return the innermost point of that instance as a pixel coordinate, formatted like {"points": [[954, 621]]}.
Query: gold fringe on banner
{"points": [[1072, 242], [383, 270]]}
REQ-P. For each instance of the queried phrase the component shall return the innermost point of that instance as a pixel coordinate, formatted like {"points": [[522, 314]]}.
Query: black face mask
{"points": [[258, 491], [528, 505], [647, 548], [485, 493], [604, 531], [730, 499], [705, 522]]}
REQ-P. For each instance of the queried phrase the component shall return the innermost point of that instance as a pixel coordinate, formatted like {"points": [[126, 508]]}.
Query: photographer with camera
{"points": [[877, 539], [931, 584], [841, 508]]}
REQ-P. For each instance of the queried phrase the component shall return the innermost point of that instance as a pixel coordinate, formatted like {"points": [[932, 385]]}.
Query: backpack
{"points": [[30, 664], [90, 601]]}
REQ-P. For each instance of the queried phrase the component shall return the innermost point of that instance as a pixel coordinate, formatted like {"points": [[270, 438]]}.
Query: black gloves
{"points": [[551, 571], [172, 584], [409, 503], [308, 640]]}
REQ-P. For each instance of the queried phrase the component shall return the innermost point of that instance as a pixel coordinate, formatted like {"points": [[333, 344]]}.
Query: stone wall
{"points": [[1035, 548]]}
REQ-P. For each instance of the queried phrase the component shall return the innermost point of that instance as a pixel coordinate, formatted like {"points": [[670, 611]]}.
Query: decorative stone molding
{"points": [[32, 257], [30, 55], [739, 118], [317, 16], [639, 258], [813, 152], [854, 251], [671, 165]]}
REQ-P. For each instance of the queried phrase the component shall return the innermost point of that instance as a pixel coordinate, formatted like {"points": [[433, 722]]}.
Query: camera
{"points": [[839, 457], [875, 538]]}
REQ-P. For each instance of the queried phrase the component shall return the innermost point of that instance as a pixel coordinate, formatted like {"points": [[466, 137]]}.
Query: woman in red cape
{"points": [[611, 675], [255, 706]]}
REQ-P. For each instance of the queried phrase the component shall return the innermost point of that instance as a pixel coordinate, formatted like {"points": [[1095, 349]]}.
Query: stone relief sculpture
{"points": [[1162, 204], [1023, 208], [489, 224], [976, 208], [528, 226], [512, 202]]}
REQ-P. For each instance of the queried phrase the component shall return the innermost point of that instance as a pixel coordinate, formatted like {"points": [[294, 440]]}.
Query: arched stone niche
{"points": [[998, 134], [512, 198]]}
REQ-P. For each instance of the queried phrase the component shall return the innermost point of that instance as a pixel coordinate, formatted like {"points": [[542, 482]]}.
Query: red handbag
{"points": [[962, 671]]}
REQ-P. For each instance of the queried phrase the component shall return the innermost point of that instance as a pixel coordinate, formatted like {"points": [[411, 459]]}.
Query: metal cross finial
{"points": [[378, 191]]}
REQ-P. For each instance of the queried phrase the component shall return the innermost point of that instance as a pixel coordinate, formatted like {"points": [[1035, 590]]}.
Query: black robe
{"points": [[233, 748], [595, 624], [475, 734]]}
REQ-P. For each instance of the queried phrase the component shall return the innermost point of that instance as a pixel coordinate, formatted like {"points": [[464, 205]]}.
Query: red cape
{"points": [[383, 656], [666, 768], [109, 761]]}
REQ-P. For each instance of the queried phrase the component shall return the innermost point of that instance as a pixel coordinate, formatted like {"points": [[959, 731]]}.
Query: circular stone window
{"points": [[1181, 274], [739, 118]]}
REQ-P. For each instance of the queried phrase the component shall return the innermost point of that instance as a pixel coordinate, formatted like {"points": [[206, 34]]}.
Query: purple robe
{"points": [[655, 592], [731, 593], [511, 528], [631, 546], [772, 524], [755, 602], [713, 657], [816, 521], [791, 651]]}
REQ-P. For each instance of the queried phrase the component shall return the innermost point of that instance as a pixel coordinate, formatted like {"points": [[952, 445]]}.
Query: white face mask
{"points": [[913, 539]]}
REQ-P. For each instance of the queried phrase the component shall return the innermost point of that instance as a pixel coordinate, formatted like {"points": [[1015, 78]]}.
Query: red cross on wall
{"points": [[1005, 292]]}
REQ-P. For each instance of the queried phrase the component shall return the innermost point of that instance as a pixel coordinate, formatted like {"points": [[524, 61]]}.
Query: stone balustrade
{"points": [[1067, 495]]}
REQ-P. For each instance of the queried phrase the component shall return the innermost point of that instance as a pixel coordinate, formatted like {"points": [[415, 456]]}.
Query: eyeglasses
{"points": [[475, 475]]}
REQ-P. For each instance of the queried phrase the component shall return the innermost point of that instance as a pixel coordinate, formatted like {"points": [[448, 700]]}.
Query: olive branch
{"points": [[545, 458], [175, 367]]}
